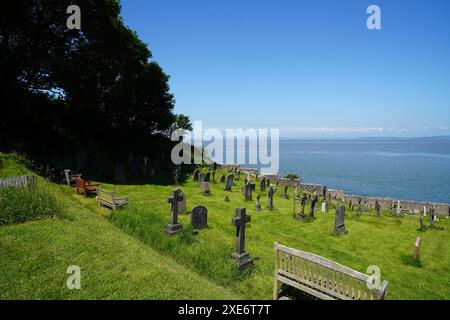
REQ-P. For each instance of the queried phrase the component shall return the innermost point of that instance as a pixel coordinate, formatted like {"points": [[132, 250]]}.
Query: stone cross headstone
{"points": [[270, 193], [199, 217], [205, 188], [377, 209], [240, 220], [313, 206], [262, 185], [258, 204], [248, 192], [196, 174], [339, 221], [416, 252], [174, 200], [222, 178], [230, 181]]}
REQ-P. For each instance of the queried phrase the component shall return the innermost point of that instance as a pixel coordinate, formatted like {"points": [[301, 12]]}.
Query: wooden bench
{"points": [[85, 187], [107, 199], [71, 178], [321, 278]]}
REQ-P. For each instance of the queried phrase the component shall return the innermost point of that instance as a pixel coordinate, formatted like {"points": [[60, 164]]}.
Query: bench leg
{"points": [[275, 288]]}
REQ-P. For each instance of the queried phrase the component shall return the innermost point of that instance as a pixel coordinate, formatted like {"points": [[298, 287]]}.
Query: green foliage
{"points": [[22, 204], [292, 176]]}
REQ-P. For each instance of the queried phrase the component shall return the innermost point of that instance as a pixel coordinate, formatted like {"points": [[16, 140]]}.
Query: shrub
{"points": [[18, 205], [292, 176]]}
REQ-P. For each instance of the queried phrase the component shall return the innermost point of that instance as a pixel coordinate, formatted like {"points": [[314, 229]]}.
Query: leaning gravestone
{"points": [[270, 194], [174, 200], [205, 188], [196, 174], [339, 221], [229, 183], [240, 220], [199, 217]]}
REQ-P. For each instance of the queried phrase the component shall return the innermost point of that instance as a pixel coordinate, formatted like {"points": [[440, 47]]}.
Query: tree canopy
{"points": [[96, 89]]}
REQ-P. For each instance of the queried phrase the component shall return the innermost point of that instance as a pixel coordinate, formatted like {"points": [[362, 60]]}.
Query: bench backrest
{"points": [[105, 195], [326, 276], [81, 183]]}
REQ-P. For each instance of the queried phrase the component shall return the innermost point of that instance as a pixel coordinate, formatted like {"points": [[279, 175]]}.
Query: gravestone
{"points": [[313, 206], [222, 178], [248, 192], [285, 195], [196, 174], [268, 183], [399, 210], [201, 178], [207, 177], [270, 195], [424, 211], [262, 185], [182, 203], [174, 200], [339, 221], [258, 204], [230, 181], [176, 174], [421, 223], [302, 215], [205, 188], [416, 252], [240, 220], [214, 176], [253, 185], [227, 199], [324, 192], [324, 207], [432, 217], [238, 175], [377, 209], [199, 217]]}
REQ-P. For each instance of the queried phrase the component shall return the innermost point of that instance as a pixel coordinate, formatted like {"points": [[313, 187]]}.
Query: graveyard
{"points": [[132, 253]]}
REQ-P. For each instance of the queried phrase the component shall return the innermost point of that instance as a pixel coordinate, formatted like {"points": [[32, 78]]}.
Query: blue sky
{"points": [[309, 68]]}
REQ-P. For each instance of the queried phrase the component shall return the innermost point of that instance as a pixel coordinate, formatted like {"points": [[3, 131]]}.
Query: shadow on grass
{"points": [[408, 260]]}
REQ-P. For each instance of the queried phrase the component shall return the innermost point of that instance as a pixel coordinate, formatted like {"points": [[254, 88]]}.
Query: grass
{"points": [[35, 255], [126, 252]]}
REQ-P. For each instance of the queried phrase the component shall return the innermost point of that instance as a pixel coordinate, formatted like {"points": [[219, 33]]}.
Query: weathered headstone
{"points": [[248, 192], [240, 220], [313, 206], [176, 174], [416, 252], [196, 174], [270, 194], [399, 210], [324, 192], [421, 223], [174, 200], [432, 217], [377, 209], [205, 188], [258, 203], [201, 178], [182, 203], [230, 181], [339, 221], [207, 177], [222, 178], [285, 195], [199, 217], [324, 206], [424, 211]]}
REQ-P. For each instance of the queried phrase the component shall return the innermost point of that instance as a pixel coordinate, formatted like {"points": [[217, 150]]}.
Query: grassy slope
{"points": [[34, 257], [386, 242]]}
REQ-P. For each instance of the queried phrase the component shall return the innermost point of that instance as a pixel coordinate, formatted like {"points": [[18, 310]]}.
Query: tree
{"points": [[96, 88]]}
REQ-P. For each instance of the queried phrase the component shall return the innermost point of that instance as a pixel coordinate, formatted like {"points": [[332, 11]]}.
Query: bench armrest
{"points": [[383, 290], [121, 198]]}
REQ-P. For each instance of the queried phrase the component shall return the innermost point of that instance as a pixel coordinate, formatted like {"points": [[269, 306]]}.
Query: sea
{"points": [[413, 169], [398, 168]]}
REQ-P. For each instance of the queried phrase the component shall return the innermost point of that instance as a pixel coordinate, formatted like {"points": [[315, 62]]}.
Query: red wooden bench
{"points": [[85, 187]]}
